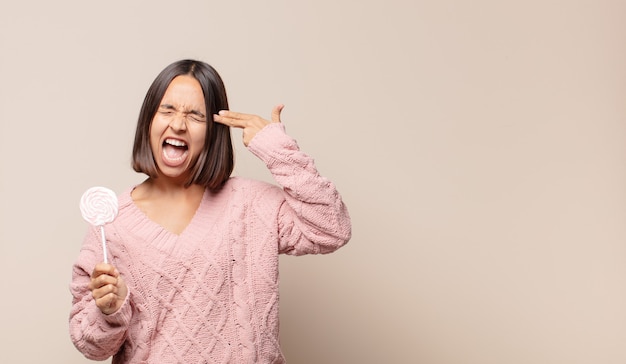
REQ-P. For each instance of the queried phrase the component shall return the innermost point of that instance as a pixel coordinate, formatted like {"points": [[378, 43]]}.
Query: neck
{"points": [[164, 188]]}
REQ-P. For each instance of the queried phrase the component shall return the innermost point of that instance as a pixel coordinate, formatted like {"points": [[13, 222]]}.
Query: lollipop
{"points": [[99, 206]]}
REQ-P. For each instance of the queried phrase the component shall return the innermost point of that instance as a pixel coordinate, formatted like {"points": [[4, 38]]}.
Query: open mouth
{"points": [[174, 151]]}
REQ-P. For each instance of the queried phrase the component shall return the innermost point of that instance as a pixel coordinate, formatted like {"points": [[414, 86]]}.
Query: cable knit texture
{"points": [[210, 294]]}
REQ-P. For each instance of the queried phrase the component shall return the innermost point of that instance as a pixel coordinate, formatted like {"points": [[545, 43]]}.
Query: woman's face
{"points": [[178, 129]]}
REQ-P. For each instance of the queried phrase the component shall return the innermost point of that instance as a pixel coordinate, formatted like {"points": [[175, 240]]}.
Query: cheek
{"points": [[156, 127], [199, 135], [154, 139], [158, 123], [152, 135]]}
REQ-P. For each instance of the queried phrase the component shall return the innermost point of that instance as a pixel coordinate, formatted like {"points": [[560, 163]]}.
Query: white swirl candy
{"points": [[98, 205]]}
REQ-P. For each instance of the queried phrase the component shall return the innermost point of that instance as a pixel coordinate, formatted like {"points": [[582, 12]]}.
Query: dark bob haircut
{"points": [[215, 162]]}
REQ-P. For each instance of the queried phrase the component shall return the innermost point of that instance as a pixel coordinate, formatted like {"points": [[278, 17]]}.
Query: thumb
{"points": [[276, 113]]}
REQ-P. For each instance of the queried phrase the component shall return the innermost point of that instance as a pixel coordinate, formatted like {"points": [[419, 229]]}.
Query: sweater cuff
{"points": [[268, 141], [122, 316]]}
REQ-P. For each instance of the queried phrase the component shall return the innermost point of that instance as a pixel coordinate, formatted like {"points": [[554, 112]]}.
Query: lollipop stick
{"points": [[104, 244]]}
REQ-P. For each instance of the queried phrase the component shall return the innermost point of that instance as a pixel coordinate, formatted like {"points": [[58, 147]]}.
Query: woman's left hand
{"points": [[250, 124]]}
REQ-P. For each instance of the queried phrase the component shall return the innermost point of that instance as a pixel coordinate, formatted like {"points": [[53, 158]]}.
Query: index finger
{"points": [[232, 118]]}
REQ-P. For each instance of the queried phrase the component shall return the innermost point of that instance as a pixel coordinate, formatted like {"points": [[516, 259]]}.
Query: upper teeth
{"points": [[175, 142]]}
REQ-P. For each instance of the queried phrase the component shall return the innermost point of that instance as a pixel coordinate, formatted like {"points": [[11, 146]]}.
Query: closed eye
{"points": [[169, 110], [197, 116]]}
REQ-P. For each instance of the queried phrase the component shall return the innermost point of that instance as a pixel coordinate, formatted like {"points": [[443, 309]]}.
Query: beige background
{"points": [[480, 146]]}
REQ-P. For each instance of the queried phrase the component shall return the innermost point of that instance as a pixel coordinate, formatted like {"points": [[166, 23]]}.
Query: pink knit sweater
{"points": [[210, 294]]}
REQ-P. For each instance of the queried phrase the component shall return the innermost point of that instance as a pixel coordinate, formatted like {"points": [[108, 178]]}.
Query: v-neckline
{"points": [[209, 210]]}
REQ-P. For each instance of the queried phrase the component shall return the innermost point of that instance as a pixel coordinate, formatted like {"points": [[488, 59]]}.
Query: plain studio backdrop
{"points": [[479, 145]]}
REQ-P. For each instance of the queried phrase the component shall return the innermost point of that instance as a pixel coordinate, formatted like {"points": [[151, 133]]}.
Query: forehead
{"points": [[184, 92]]}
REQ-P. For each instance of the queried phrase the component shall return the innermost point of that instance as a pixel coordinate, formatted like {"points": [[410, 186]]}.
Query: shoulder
{"points": [[237, 182], [124, 199], [252, 188]]}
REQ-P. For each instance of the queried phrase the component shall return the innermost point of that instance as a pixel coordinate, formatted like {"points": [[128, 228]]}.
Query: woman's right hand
{"points": [[108, 288], [250, 124]]}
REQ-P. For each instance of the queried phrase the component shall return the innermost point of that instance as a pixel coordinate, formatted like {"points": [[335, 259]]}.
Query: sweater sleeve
{"points": [[313, 219], [96, 335]]}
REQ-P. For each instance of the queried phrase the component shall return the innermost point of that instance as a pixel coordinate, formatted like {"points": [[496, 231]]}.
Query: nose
{"points": [[179, 122]]}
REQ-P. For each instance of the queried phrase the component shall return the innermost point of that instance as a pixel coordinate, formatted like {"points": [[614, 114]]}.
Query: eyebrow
{"points": [[167, 106]]}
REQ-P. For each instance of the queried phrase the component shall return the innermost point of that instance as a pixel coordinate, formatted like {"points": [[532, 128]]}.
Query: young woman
{"points": [[193, 273]]}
